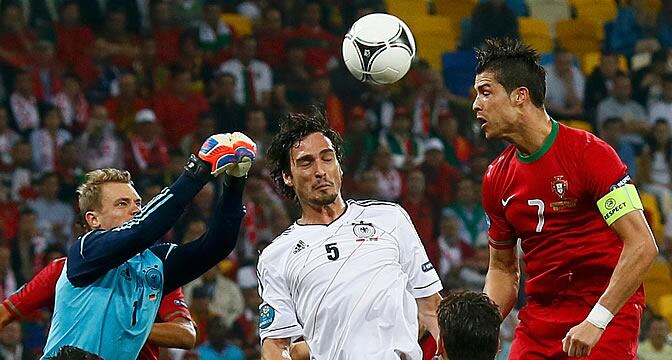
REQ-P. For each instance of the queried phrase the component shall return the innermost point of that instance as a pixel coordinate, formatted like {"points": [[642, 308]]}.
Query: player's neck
{"points": [[321, 214], [532, 133]]}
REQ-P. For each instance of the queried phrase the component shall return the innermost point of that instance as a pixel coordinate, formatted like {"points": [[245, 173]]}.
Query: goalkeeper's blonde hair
{"points": [[90, 192]]}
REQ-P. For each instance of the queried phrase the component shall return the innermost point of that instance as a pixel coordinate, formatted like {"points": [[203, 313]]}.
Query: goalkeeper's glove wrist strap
{"points": [[234, 183], [198, 169]]}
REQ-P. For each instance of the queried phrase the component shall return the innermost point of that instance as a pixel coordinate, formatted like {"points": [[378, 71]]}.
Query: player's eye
{"points": [[122, 203]]}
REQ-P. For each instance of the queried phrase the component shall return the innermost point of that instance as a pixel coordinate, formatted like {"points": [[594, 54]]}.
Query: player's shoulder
{"points": [[279, 245], [374, 205], [579, 139], [500, 164]]}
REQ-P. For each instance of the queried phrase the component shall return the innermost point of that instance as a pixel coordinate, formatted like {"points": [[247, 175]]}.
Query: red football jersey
{"points": [[548, 200], [40, 291]]}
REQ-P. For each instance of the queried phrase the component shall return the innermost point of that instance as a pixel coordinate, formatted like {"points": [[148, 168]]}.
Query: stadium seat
{"points": [[241, 24], [591, 60], [579, 36], [434, 35], [456, 10], [535, 33], [459, 71], [665, 307], [598, 11], [401, 8], [653, 215], [551, 11], [657, 283]]}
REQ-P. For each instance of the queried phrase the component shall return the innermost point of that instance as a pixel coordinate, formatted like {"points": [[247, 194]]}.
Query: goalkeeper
{"points": [[109, 292]]}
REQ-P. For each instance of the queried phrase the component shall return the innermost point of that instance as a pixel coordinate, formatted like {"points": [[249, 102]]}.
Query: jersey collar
{"points": [[544, 147]]}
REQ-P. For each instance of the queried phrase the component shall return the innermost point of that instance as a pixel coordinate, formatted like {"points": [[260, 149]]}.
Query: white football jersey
{"points": [[349, 287]]}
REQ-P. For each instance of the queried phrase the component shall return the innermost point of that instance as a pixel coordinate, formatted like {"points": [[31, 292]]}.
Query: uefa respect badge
{"points": [[266, 316]]}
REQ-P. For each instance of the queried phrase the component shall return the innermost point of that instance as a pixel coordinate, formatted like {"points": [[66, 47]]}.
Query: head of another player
{"points": [[107, 199], [509, 84], [469, 326], [74, 353], [304, 159]]}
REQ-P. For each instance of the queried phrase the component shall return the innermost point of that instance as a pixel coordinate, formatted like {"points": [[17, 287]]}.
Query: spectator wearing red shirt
{"points": [[45, 72], [320, 45], [147, 152], [124, 47], [23, 104], [178, 109], [215, 37], [320, 91], [271, 39], [17, 42], [441, 177], [165, 32], [457, 149], [73, 39], [123, 107], [414, 201]]}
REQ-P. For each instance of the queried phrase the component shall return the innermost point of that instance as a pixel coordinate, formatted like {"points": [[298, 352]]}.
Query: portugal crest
{"points": [[559, 186]]}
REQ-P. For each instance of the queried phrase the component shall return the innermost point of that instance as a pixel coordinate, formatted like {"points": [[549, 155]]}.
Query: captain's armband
{"points": [[619, 202]]}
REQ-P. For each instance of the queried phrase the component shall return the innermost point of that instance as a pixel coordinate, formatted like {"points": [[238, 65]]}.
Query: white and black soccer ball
{"points": [[378, 49]]}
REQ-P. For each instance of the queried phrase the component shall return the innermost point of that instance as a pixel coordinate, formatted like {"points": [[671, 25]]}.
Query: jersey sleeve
{"points": [[423, 280], [277, 315], [173, 306], [604, 170], [501, 234], [38, 293]]}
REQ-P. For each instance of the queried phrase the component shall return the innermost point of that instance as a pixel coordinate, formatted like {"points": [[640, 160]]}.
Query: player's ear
{"points": [[519, 95], [92, 220], [287, 179]]}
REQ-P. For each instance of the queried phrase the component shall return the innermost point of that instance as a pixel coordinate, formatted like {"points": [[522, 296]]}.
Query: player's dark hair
{"points": [[293, 128], [469, 325], [74, 353], [514, 65]]}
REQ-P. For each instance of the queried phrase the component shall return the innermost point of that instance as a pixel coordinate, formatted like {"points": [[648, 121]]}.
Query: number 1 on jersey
{"points": [[540, 212], [332, 251]]}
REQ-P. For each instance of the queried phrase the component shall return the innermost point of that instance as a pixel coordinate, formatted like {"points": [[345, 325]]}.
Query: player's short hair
{"points": [[469, 325], [89, 193], [514, 65], [74, 353], [293, 128]]}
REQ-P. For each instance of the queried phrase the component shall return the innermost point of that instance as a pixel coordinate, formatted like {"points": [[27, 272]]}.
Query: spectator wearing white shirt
{"points": [[54, 217], [23, 103], [47, 141], [254, 78], [564, 87], [662, 109], [8, 138], [621, 105]]}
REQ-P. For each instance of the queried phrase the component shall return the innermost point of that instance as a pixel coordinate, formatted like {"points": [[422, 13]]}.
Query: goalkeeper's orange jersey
{"points": [[548, 200]]}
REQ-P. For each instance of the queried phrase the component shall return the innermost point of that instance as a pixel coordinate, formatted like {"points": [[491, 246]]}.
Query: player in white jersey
{"points": [[350, 277]]}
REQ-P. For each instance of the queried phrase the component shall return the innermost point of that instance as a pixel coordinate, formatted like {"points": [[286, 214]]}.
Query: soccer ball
{"points": [[378, 49]]}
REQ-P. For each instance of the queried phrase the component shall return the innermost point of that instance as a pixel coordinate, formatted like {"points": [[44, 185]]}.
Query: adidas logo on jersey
{"points": [[299, 246]]}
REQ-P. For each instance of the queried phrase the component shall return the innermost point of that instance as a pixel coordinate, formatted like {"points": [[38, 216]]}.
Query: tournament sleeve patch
{"points": [[266, 316], [427, 266], [619, 202]]}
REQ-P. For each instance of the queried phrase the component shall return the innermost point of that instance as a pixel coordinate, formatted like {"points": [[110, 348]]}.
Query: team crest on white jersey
{"points": [[364, 231]]}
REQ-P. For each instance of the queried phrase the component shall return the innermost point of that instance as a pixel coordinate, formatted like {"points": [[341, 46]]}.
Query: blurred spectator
{"points": [[177, 110], [17, 41], [218, 346], [453, 250], [72, 103], [600, 83], [165, 31], [406, 148], [21, 173], [215, 37], [358, 142], [147, 151], [73, 39], [23, 103], [647, 81], [472, 273], [228, 112], [506, 334], [655, 173], [634, 29], [257, 129], [254, 78], [205, 127], [247, 279], [456, 148], [48, 140], [199, 307], [441, 177], [387, 176], [70, 171], [294, 75], [8, 283], [656, 347], [379, 106], [564, 87], [271, 38], [620, 104], [9, 213], [45, 72], [27, 249], [665, 24], [432, 100], [123, 107], [187, 11], [415, 201], [54, 217], [490, 19], [99, 75], [99, 146], [662, 109], [321, 46], [366, 185], [323, 97], [8, 138], [190, 57], [122, 45], [612, 132], [468, 210], [226, 299], [10, 343], [194, 229]]}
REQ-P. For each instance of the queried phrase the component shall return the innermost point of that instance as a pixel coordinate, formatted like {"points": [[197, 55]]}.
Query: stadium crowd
{"points": [[140, 84]]}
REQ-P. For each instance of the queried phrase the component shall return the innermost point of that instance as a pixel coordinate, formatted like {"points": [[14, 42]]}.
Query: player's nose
{"points": [[135, 209], [476, 105]]}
